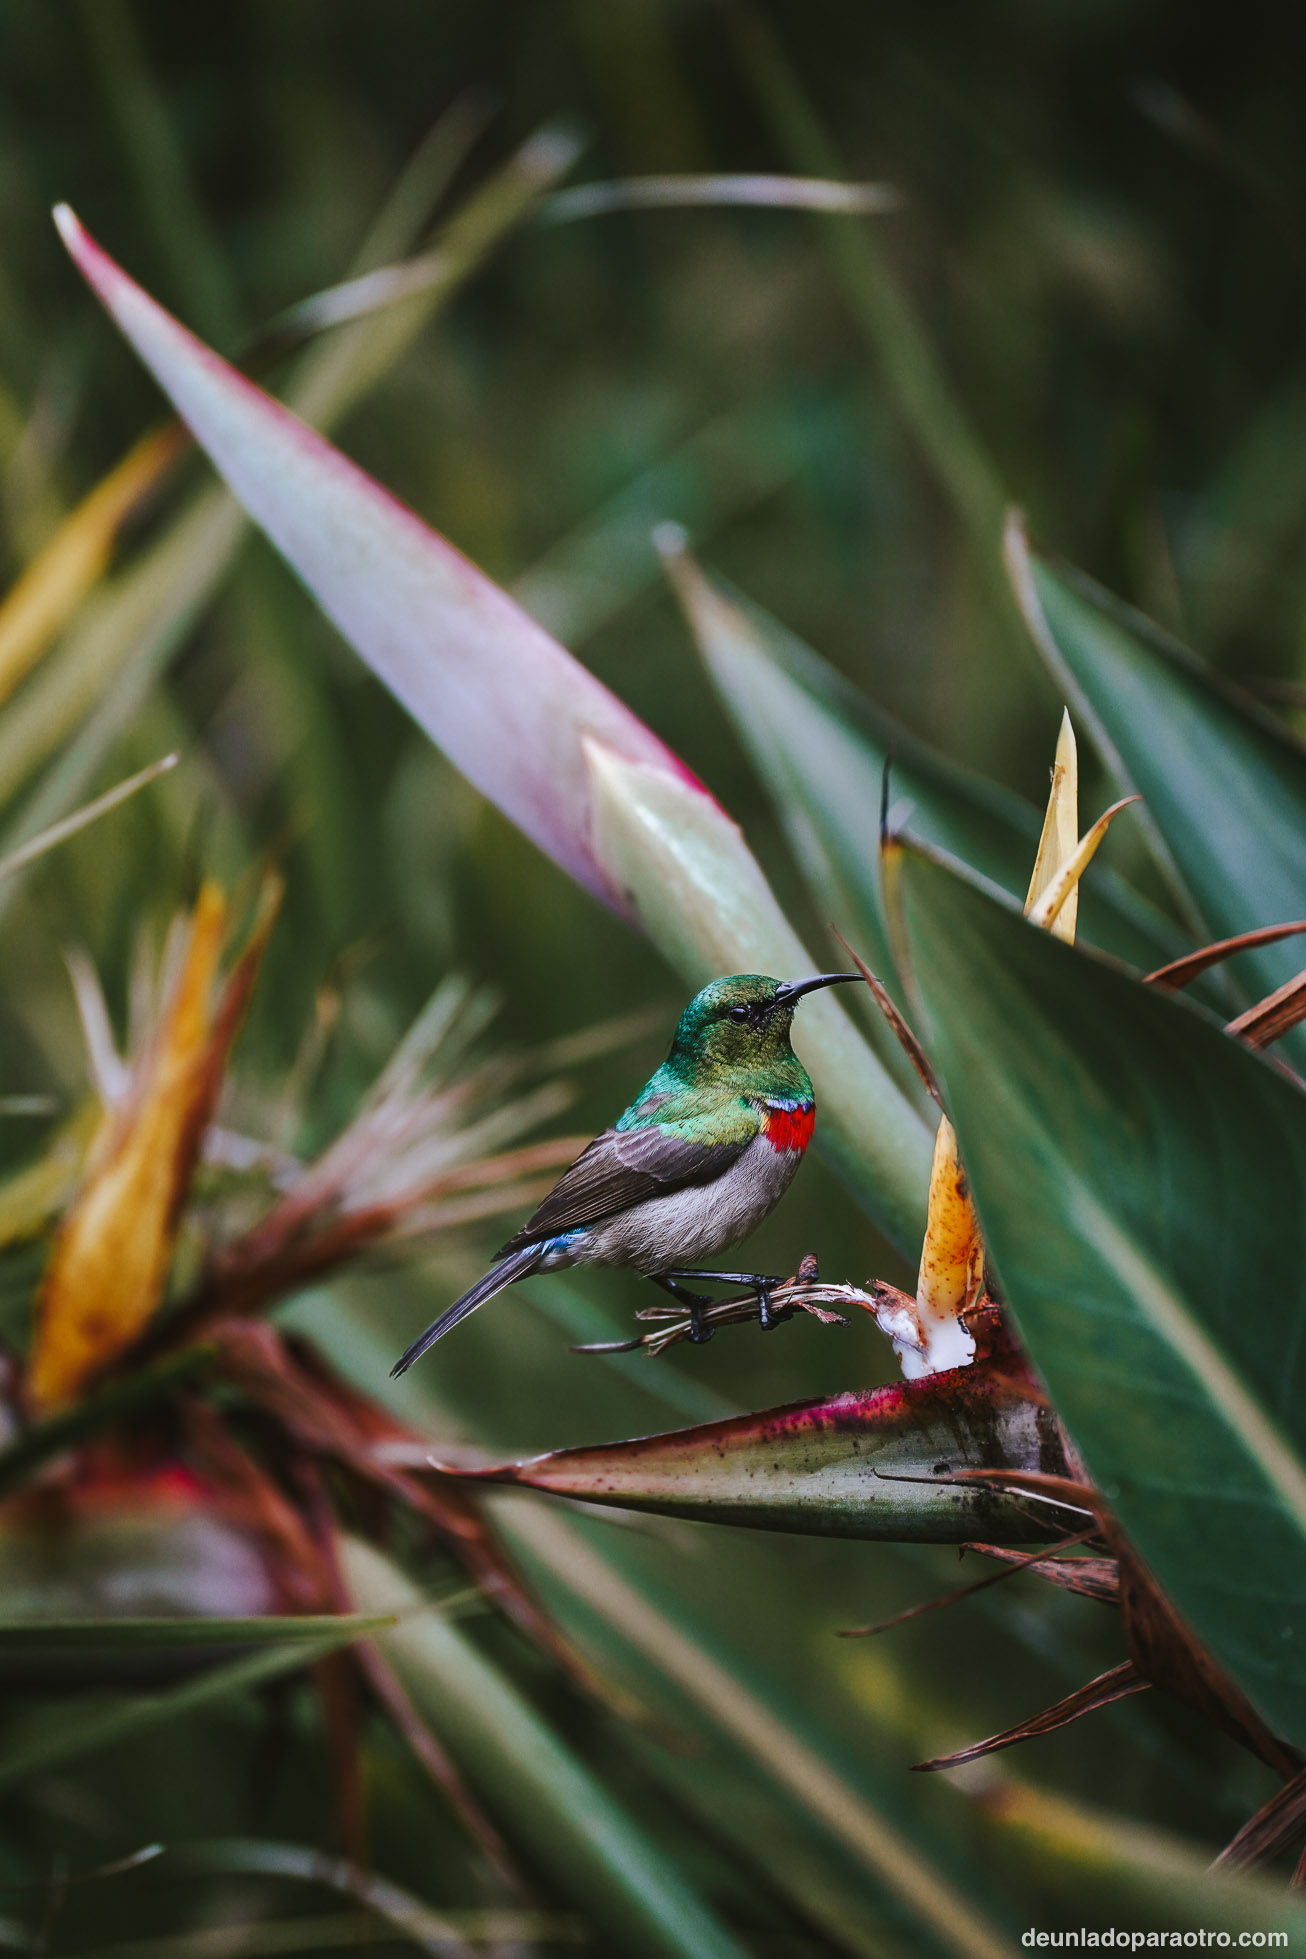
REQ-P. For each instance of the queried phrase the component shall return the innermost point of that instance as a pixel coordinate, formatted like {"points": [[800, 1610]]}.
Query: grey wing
{"points": [[620, 1168]]}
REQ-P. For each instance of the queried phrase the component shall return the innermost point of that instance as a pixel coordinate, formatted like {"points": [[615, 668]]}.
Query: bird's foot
{"points": [[699, 1330], [762, 1283], [695, 1303], [766, 1298], [769, 1316]]}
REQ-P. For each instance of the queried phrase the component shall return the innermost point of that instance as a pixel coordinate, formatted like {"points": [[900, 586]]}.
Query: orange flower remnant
{"points": [[111, 1258]]}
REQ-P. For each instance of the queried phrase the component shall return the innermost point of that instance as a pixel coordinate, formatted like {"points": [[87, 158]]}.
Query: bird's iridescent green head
{"points": [[739, 1026]]}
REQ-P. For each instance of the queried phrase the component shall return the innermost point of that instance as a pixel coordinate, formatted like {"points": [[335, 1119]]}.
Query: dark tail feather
{"points": [[514, 1267]]}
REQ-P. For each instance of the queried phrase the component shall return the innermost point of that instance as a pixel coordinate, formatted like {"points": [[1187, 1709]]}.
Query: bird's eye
{"points": [[738, 1013]]}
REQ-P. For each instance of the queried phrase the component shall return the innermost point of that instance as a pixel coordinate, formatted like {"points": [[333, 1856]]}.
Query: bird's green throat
{"points": [[734, 1036]]}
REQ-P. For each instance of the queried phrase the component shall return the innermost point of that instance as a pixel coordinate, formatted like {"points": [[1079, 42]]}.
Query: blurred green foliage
{"points": [[1103, 238]]}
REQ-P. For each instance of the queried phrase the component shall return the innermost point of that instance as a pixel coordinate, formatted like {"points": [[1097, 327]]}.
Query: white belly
{"points": [[689, 1226]]}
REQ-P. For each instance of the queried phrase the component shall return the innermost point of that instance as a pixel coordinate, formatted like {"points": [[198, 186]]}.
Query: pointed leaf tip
{"points": [[563, 758], [1129, 1248], [506, 702]]}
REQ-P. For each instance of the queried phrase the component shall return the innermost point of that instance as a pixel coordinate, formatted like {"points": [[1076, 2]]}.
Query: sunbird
{"points": [[706, 1150]]}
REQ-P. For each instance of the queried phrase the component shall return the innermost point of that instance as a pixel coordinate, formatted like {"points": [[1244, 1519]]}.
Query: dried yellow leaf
{"points": [[952, 1255], [41, 602], [1060, 835], [1050, 909], [110, 1262]]}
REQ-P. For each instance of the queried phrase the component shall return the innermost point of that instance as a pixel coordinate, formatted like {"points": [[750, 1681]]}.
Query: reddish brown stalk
{"points": [[301, 1540], [1274, 1016], [292, 1556], [1021, 1562], [246, 1277], [336, 1681], [1182, 972], [423, 1746], [1112, 1686], [336, 1676], [1276, 1824], [322, 1414], [307, 1573], [1168, 1653], [1163, 1650], [1096, 1578], [906, 1040]]}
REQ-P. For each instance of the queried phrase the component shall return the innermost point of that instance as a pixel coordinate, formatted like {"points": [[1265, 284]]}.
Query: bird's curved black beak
{"points": [[790, 990]]}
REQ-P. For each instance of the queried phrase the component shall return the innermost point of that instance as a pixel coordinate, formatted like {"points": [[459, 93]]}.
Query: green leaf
{"points": [[1223, 782], [685, 191], [157, 160], [915, 378], [866, 1465], [775, 1748], [91, 688], [699, 893], [1103, 1863], [76, 1635], [863, 1807], [71, 1738], [532, 1781], [79, 819], [442, 1934], [729, 465], [821, 747], [530, 727], [1140, 1178]]}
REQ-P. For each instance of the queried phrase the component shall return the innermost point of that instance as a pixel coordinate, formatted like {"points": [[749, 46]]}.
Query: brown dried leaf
{"points": [[1274, 1016], [1182, 972], [326, 1416], [1015, 1561], [1112, 1686], [426, 1750], [1163, 1648], [1088, 1577], [902, 1033], [1276, 1824]]}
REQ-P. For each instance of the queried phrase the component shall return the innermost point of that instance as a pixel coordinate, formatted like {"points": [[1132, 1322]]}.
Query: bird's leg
{"points": [[695, 1304], [758, 1282]]}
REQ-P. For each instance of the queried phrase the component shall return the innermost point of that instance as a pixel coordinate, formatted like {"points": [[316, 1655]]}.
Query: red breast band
{"points": [[790, 1129]]}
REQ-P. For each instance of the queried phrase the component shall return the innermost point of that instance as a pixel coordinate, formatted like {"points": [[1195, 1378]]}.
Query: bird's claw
{"points": [[768, 1316], [699, 1330]]}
